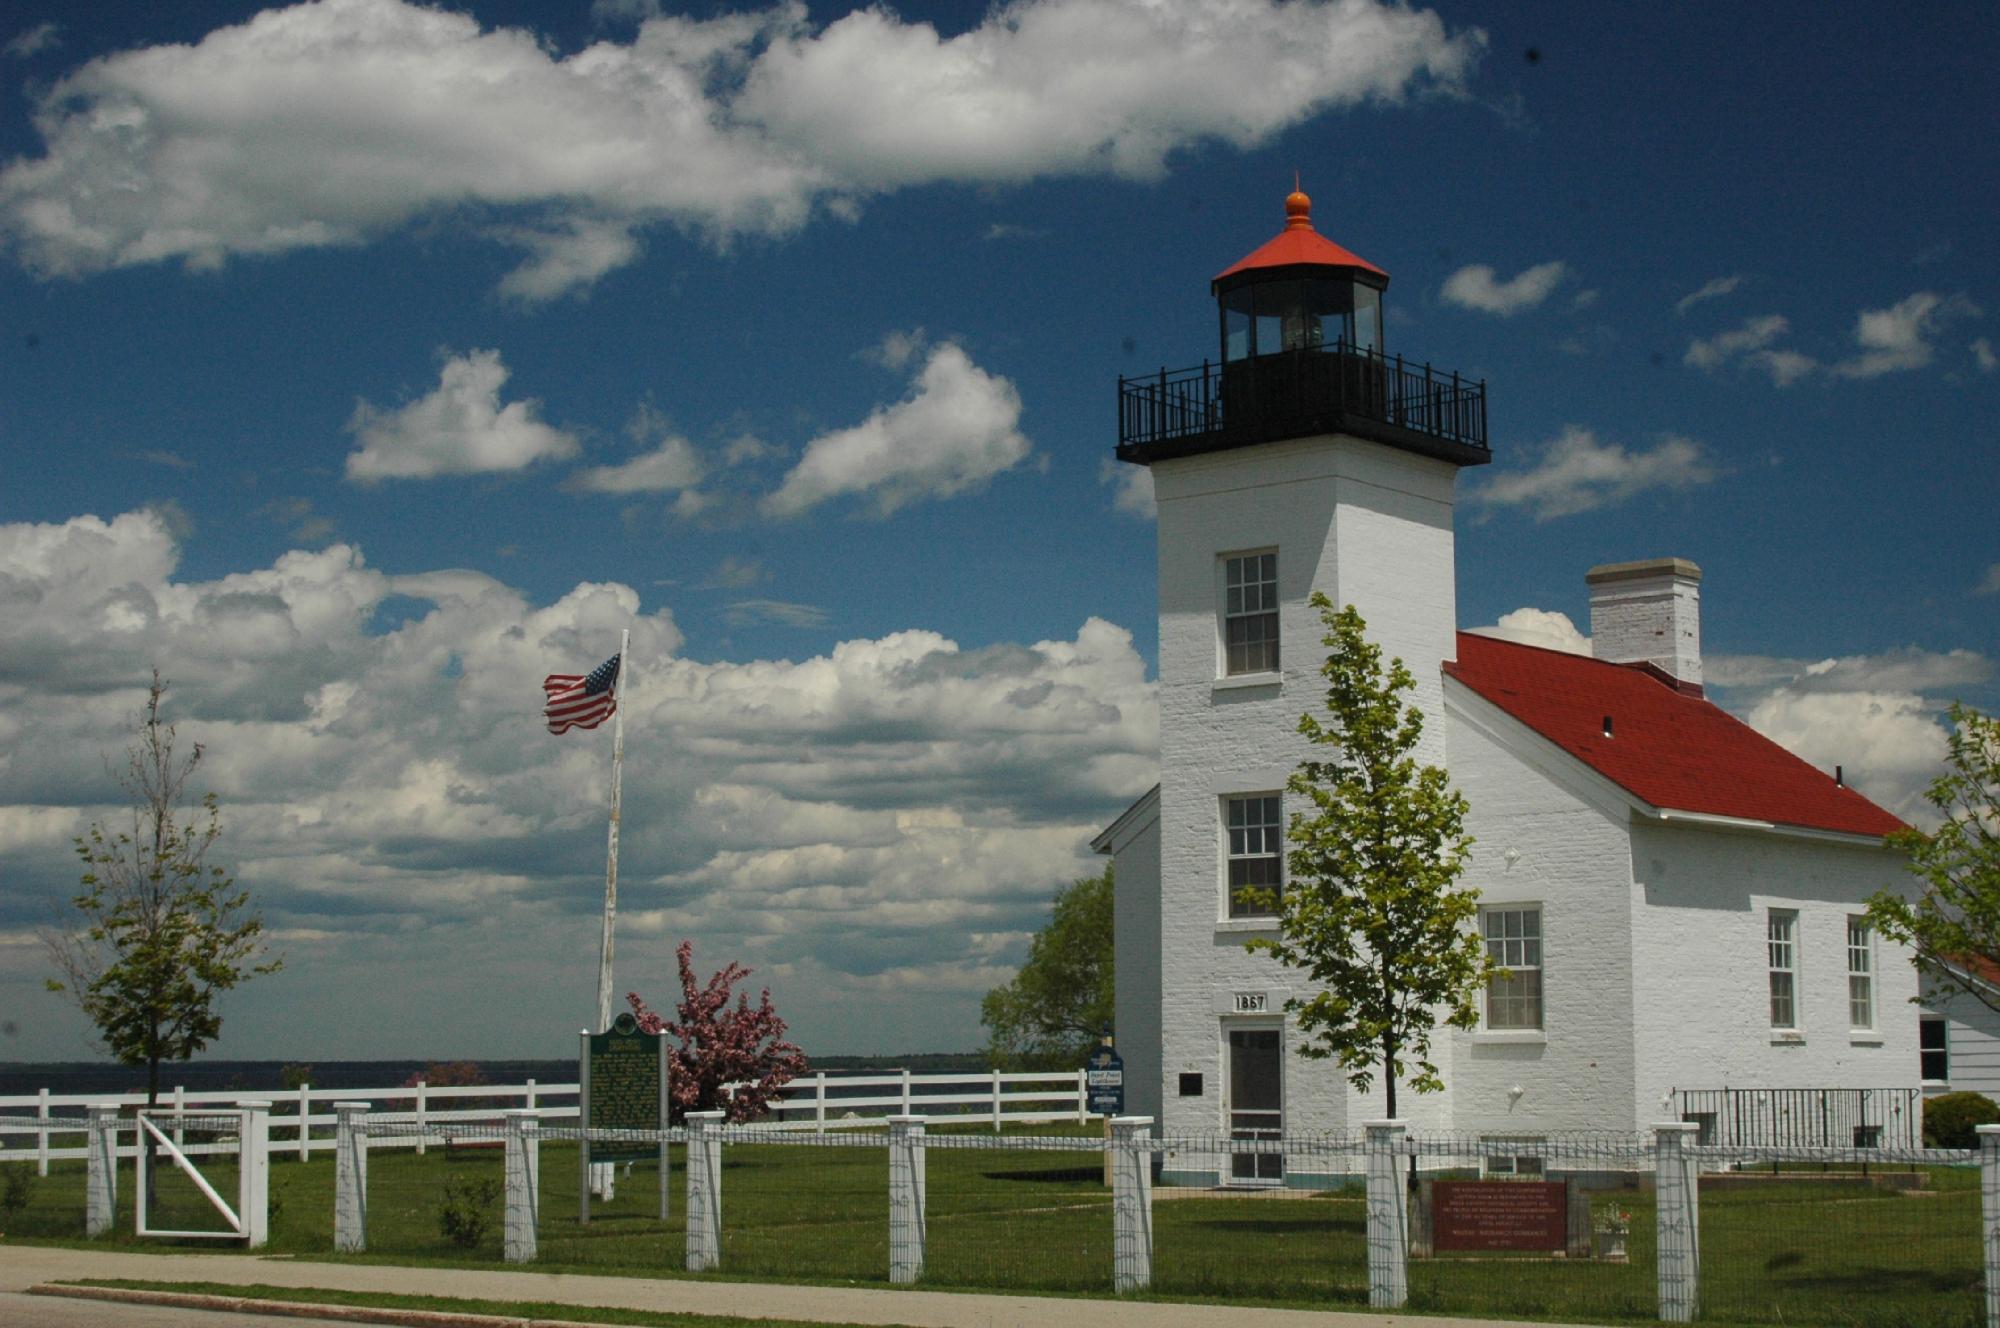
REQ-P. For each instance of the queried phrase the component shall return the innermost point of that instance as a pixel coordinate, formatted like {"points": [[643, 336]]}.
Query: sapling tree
{"points": [[721, 1043], [1372, 911], [164, 932], [1953, 923]]}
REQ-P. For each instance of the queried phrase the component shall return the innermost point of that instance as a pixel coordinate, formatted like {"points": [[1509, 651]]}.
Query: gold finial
{"points": [[1298, 208]]}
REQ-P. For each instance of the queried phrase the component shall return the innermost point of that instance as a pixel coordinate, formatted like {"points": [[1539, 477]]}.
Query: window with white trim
{"points": [[1860, 972], [1933, 1051], [1254, 851], [1514, 942], [1250, 613], [1781, 944]]}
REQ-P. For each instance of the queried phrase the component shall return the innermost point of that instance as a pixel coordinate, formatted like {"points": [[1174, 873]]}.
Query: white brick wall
{"points": [[1699, 955]]}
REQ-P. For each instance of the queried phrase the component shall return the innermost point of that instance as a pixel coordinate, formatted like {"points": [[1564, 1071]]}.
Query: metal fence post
{"points": [[704, 1192], [1676, 1192], [524, 1186], [254, 1182], [906, 1198], [101, 1180], [1989, 1216], [1388, 1216], [350, 1177], [1131, 1203]]}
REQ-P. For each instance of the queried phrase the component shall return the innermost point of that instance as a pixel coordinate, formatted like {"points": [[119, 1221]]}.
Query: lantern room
{"points": [[1302, 357], [1300, 291]]}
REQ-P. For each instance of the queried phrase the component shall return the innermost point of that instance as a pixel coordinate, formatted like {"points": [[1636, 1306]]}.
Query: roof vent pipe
{"points": [[1838, 782], [1607, 726]]}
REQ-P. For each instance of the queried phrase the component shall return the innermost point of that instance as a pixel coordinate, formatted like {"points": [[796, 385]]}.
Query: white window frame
{"points": [[1943, 1048], [1860, 974], [1781, 960], [1269, 838], [1269, 661], [1523, 954]]}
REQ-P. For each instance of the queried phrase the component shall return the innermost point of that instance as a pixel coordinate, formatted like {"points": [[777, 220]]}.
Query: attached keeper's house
{"points": [[1679, 900]]}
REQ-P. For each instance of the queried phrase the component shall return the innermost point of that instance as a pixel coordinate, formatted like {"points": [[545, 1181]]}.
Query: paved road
{"points": [[25, 1266]]}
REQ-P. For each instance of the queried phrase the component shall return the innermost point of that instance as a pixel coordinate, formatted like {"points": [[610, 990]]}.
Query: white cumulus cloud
{"points": [[1579, 473], [954, 431], [1903, 335], [336, 122], [673, 464], [1751, 343], [1131, 488], [461, 428], [1477, 287], [885, 820], [1539, 627]]}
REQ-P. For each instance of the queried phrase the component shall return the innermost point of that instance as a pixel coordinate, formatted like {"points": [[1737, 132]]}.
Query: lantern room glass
{"points": [[1300, 313]]}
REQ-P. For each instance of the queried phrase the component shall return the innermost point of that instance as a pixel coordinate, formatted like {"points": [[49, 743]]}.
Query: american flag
{"points": [[580, 701]]}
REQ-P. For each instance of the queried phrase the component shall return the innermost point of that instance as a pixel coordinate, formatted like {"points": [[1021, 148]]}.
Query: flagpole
{"points": [[611, 858]]}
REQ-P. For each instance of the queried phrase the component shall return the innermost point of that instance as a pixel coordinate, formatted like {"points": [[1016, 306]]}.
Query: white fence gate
{"points": [[250, 1129]]}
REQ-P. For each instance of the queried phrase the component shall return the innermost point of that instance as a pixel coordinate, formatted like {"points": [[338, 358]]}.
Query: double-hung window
{"points": [[1860, 973], [1255, 849], [1250, 613], [1782, 949], [1514, 942]]}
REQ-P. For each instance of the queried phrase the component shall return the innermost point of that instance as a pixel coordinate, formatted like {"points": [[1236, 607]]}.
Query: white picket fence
{"points": [[816, 1102]]}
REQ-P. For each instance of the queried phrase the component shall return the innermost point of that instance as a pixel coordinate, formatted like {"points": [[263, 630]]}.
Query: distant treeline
{"points": [[270, 1076]]}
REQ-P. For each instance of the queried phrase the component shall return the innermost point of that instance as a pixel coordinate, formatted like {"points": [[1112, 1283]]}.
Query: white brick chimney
{"points": [[1648, 613]]}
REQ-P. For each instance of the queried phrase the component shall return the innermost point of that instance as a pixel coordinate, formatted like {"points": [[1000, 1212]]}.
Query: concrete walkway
{"points": [[24, 1266]]}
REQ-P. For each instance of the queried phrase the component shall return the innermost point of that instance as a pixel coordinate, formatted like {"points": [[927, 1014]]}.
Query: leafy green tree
{"points": [[1954, 923], [1051, 1014], [1372, 912], [163, 933]]}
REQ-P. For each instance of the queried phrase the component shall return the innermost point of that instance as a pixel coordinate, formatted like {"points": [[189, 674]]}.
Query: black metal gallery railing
{"points": [[1297, 392], [1804, 1117]]}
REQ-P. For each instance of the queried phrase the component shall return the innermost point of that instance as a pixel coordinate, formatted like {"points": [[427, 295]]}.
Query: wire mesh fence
{"points": [[1559, 1227], [1018, 1210], [1841, 1236], [1292, 1226]]}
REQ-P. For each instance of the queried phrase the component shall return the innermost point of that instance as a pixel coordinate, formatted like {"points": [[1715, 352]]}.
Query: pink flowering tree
{"points": [[722, 1043]]}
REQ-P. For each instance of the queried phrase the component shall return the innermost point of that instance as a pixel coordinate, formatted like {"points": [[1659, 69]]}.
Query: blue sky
{"points": [[364, 362]]}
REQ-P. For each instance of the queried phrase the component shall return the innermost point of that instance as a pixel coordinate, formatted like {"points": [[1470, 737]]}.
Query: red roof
{"points": [[1298, 243], [1669, 749]]}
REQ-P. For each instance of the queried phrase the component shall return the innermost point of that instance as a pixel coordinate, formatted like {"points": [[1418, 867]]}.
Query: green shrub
{"points": [[1950, 1117], [466, 1210], [17, 1185]]}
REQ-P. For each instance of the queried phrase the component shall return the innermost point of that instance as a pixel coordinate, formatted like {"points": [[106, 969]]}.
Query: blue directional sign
{"points": [[1104, 1081]]}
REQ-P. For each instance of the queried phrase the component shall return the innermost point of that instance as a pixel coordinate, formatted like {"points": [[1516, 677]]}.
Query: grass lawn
{"points": [[1791, 1250]]}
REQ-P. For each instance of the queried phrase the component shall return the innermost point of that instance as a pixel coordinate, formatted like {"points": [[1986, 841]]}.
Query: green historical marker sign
{"points": [[624, 1083]]}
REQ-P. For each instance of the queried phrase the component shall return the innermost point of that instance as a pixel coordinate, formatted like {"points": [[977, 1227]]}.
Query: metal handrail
{"points": [[1298, 388]]}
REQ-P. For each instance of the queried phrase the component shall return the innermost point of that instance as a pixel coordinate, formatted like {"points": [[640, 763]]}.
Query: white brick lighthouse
{"points": [[1310, 459]]}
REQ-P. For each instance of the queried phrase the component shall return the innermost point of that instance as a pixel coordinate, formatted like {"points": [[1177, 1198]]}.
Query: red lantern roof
{"points": [[1296, 245]]}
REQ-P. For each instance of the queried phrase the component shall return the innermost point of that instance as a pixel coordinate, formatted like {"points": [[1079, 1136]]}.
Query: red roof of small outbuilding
{"points": [[1669, 749], [1297, 244]]}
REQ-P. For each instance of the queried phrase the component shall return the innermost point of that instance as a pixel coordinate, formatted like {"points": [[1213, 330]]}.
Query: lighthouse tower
{"points": [[1305, 458]]}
